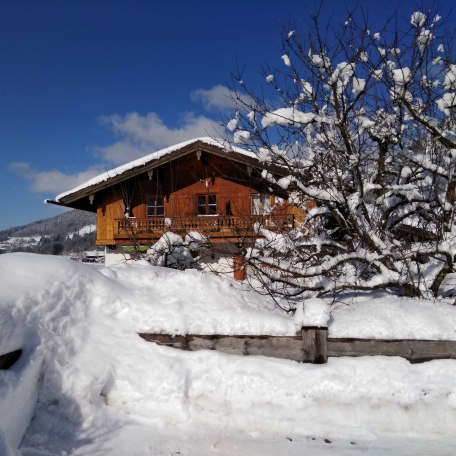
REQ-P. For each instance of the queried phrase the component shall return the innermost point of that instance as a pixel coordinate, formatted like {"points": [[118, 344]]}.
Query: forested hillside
{"points": [[70, 232]]}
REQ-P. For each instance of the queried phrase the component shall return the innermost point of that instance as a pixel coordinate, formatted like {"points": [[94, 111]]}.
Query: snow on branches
{"points": [[364, 125]]}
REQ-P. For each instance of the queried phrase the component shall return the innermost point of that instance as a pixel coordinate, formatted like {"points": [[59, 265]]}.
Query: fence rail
{"points": [[312, 345], [414, 350]]}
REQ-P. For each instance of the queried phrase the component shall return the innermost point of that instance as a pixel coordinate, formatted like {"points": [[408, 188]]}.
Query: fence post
{"points": [[321, 343], [315, 344], [239, 268]]}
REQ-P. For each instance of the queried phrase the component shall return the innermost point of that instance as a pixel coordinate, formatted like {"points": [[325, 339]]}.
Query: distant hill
{"points": [[69, 233]]}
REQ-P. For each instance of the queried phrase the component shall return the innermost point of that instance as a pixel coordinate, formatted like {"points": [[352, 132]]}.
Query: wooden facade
{"points": [[200, 187]]}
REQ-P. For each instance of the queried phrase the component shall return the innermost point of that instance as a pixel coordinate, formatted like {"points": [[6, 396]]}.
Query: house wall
{"points": [[179, 182], [184, 201], [110, 206]]}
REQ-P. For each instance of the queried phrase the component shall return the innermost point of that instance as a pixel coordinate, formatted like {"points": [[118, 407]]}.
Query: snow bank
{"points": [[391, 317], [18, 396], [193, 302], [104, 390], [36, 315], [62, 313], [385, 394]]}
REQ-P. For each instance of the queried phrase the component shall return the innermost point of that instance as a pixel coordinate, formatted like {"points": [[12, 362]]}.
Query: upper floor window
{"points": [[155, 207], [207, 204], [261, 204]]}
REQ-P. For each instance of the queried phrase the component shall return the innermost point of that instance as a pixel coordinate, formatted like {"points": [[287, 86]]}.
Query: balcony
{"points": [[215, 226]]}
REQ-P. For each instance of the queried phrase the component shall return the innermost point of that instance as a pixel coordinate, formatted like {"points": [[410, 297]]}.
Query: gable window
{"points": [[155, 207], [261, 204], [207, 204]]}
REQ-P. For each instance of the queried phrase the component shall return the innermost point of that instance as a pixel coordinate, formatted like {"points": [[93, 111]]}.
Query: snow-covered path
{"points": [[199, 440]]}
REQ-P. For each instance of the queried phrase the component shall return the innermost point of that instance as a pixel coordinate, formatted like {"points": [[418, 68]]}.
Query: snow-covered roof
{"points": [[150, 158]]}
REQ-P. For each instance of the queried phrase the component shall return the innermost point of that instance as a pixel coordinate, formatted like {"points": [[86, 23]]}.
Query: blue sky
{"points": [[87, 85]]}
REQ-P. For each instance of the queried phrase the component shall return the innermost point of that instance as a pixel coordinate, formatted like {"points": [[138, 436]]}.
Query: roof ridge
{"points": [[145, 159]]}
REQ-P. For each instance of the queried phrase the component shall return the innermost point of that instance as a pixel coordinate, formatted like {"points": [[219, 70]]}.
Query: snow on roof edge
{"points": [[103, 177]]}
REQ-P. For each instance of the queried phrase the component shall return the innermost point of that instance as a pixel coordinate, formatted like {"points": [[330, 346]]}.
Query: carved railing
{"points": [[225, 225]]}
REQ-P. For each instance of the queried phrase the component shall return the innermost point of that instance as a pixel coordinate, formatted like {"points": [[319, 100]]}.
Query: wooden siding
{"points": [[109, 208], [179, 183]]}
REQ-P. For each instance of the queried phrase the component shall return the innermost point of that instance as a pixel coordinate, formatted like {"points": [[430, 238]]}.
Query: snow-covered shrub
{"points": [[195, 241], [169, 251], [172, 251]]}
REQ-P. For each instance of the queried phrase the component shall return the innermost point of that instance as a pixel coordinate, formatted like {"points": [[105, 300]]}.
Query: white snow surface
{"points": [[391, 317], [312, 312], [104, 390], [148, 158], [316, 312], [87, 229], [286, 116]]}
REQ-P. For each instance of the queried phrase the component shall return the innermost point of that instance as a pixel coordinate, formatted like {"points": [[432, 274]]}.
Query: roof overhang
{"points": [[149, 162]]}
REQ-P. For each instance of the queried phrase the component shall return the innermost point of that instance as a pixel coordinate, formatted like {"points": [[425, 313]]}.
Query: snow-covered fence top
{"points": [[311, 343], [310, 346]]}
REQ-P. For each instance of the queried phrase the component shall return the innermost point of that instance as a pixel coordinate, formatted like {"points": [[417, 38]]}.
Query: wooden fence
{"points": [[312, 345]]}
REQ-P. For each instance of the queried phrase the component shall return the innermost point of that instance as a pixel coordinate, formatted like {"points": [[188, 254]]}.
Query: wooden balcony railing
{"points": [[222, 226]]}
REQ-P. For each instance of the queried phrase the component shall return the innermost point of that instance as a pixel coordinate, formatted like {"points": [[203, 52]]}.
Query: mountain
{"points": [[69, 233]]}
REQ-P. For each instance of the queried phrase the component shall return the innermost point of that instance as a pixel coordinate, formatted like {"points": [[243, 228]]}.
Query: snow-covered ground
{"points": [[102, 390], [20, 241], [87, 229]]}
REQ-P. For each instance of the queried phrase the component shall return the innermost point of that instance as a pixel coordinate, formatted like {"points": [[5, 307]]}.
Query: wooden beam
{"points": [[415, 351], [287, 347], [311, 345]]}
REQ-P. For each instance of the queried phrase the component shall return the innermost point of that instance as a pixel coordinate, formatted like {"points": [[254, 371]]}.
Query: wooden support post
{"points": [[308, 342], [321, 344], [239, 268], [315, 346]]}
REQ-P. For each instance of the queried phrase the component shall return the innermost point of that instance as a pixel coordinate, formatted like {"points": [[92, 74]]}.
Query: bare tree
{"points": [[363, 121]]}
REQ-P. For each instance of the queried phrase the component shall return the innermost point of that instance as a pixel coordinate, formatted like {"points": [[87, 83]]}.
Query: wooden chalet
{"points": [[199, 185]]}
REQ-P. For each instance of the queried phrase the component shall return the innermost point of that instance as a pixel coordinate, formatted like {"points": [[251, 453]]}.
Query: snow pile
{"points": [[18, 394], [316, 313], [191, 302], [313, 312], [391, 317], [104, 390]]}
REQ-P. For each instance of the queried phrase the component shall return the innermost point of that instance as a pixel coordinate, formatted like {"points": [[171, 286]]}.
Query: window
{"points": [[155, 207], [261, 204], [207, 204]]}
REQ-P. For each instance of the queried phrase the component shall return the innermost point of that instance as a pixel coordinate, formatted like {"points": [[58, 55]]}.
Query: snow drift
{"points": [[102, 388]]}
